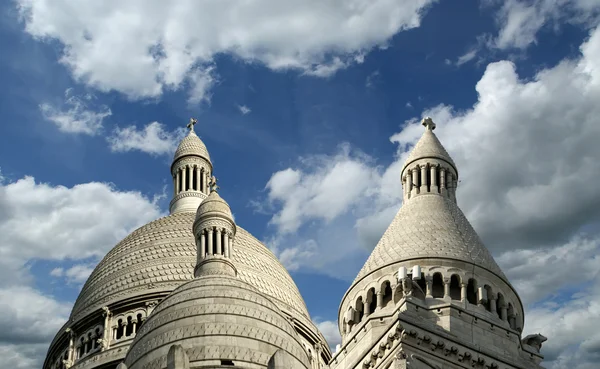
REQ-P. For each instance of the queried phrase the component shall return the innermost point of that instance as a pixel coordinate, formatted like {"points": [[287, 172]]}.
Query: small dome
{"points": [[216, 319], [214, 205], [191, 145]]}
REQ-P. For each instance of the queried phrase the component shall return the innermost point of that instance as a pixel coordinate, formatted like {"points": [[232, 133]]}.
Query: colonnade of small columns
{"points": [[87, 343], [429, 178], [432, 286], [126, 327], [214, 241], [191, 177]]}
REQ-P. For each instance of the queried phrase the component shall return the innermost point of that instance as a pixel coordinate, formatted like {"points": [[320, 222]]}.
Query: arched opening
{"points": [[129, 327], [488, 303], [372, 300], [89, 346], [422, 283], [500, 304], [511, 316], [214, 242], [387, 293], [202, 177], [455, 287], [179, 181], [437, 286], [139, 320], [472, 291], [81, 348], [397, 293], [360, 309], [120, 328], [194, 178]]}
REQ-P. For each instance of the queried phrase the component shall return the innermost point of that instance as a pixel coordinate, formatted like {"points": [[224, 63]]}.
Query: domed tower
{"points": [[191, 172], [430, 294], [216, 320], [155, 259]]}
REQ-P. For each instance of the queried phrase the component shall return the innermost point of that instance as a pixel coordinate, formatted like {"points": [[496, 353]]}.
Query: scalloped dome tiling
{"points": [[191, 145], [429, 226], [214, 203], [428, 146], [161, 255]]}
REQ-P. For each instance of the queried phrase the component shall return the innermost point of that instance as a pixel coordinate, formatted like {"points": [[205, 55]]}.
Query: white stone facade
{"points": [[195, 290]]}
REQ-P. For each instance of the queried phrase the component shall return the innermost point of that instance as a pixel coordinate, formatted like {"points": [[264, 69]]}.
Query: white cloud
{"points": [[77, 274], [79, 116], [153, 139], [467, 57], [372, 79], [170, 44], [330, 330], [520, 21], [244, 109], [41, 221], [527, 154]]}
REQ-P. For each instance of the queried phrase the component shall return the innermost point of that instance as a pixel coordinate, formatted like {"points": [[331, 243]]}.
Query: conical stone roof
{"points": [[428, 146], [430, 226]]}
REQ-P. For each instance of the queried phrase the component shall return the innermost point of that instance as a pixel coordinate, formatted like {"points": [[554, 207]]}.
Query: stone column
{"points": [[219, 249], [447, 288], [198, 178], [226, 245], [463, 292], [105, 332], [433, 175], [210, 242], [202, 251], [443, 181], [71, 354], [409, 183], [503, 313], [415, 175], [115, 329], [367, 307], [379, 300], [183, 178], [133, 327], [175, 184], [428, 285], [492, 303], [177, 180], [424, 181], [206, 182]]}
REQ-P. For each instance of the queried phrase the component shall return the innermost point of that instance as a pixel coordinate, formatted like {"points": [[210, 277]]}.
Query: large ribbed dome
{"points": [[429, 226], [161, 255], [216, 318], [191, 145]]}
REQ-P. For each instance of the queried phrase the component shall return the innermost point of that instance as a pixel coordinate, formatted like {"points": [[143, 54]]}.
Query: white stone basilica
{"points": [[195, 290]]}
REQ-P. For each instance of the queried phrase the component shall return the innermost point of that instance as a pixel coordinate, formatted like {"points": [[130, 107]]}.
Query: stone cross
{"points": [[428, 123], [191, 124]]}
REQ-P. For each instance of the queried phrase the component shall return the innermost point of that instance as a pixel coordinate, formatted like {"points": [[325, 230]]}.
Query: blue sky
{"points": [[307, 129]]}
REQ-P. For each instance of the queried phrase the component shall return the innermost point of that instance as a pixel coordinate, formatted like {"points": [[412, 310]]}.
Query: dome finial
{"points": [[212, 184], [428, 123], [191, 124]]}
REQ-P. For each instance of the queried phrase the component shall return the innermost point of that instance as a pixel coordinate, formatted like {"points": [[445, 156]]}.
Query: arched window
{"points": [[129, 327], [500, 304], [511, 316], [472, 291], [194, 178], [488, 303], [422, 283], [120, 328], [437, 287], [455, 287], [139, 320], [360, 309], [387, 293], [372, 300]]}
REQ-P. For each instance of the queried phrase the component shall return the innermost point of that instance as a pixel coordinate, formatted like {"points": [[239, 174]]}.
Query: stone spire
{"points": [[214, 230], [191, 171], [429, 168]]}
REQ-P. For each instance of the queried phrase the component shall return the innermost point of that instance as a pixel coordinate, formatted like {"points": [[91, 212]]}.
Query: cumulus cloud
{"points": [[330, 331], [520, 21], [42, 221], [153, 139], [171, 44], [78, 115], [527, 154]]}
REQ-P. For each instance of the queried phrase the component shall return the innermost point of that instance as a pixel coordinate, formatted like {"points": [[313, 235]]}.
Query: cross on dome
{"points": [[428, 123], [191, 124]]}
